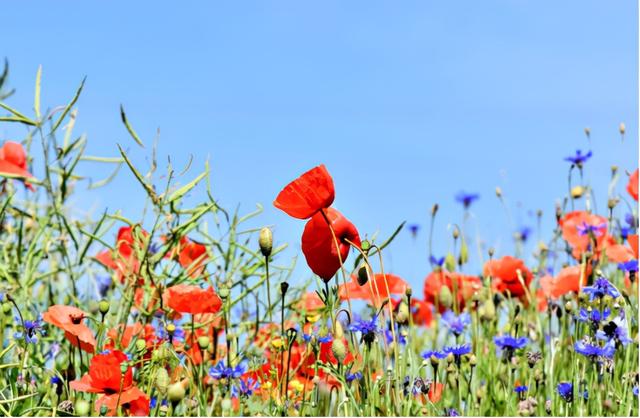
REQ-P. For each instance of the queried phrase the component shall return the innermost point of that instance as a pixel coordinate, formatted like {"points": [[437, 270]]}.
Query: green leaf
{"points": [[18, 115], [136, 173], [133, 133], [36, 99], [69, 106], [187, 187]]}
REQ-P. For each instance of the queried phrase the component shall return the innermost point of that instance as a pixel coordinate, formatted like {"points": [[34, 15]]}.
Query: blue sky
{"points": [[406, 103]]}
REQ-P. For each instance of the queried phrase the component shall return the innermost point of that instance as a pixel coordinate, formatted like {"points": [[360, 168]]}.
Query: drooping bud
{"points": [[176, 392], [450, 262], [445, 298], [284, 286], [363, 275], [162, 380], [338, 349], [265, 240]]}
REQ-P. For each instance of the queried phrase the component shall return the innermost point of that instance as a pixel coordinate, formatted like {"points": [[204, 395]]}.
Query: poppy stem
{"points": [[80, 351], [266, 266]]}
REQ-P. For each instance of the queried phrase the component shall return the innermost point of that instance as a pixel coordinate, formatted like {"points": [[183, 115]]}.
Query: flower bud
{"points": [[498, 192], [103, 410], [103, 307], [124, 366], [141, 345], [363, 275], [176, 392], [226, 404], [450, 262], [265, 241], [338, 349], [223, 291], [456, 232], [434, 209], [622, 128], [162, 381], [365, 245], [338, 331], [568, 307], [81, 408], [450, 358], [284, 286], [587, 131], [445, 298], [473, 360], [577, 192], [203, 342]]}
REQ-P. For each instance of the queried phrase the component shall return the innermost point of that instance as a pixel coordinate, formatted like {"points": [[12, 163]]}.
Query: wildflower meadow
{"points": [[187, 311]]}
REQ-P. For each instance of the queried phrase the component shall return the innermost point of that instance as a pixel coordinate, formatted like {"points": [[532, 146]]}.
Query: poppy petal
{"points": [[307, 194]]}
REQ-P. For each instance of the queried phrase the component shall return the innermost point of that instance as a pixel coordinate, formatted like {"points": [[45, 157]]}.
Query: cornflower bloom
{"points": [[601, 288]]}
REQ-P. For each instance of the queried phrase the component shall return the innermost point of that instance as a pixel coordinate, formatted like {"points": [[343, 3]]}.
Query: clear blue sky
{"points": [[406, 103]]}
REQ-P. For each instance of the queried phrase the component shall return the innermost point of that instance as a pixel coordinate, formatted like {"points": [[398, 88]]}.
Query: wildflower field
{"points": [[185, 311]]}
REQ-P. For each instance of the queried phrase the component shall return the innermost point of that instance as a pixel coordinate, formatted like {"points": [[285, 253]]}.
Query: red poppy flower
{"points": [[310, 303], [318, 243], [633, 243], [69, 319], [192, 256], [192, 299], [568, 280], [124, 261], [13, 161], [435, 392], [616, 253], [579, 226], [307, 194], [632, 186], [105, 376], [375, 290], [136, 331], [466, 286], [504, 275]]}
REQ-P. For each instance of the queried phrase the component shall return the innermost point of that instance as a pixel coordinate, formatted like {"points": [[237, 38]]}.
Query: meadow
{"points": [[186, 311]]}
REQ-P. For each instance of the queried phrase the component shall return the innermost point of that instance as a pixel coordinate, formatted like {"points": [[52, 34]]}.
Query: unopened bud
{"points": [[284, 286], [162, 380], [363, 275], [103, 307], [226, 404], [203, 342], [445, 298], [141, 345], [434, 209], [265, 240], [577, 192], [456, 233], [622, 128], [365, 245], [587, 131], [176, 392], [81, 408], [498, 192], [338, 349], [223, 291]]}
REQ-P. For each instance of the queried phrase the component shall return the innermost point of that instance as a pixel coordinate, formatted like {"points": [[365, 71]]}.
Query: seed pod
{"points": [[265, 240], [103, 307], [203, 342], [577, 192]]}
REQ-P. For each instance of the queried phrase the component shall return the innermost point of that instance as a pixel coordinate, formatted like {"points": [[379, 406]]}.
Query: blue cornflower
{"points": [[350, 377], [31, 331], [521, 389], [451, 412], [565, 390], [601, 288], [436, 261], [615, 330], [587, 229], [594, 316], [579, 158], [437, 354], [220, 371], [414, 229], [2, 297], [103, 284], [368, 329], [594, 351], [635, 390], [523, 233], [325, 339], [467, 198], [245, 388], [456, 323], [630, 220], [153, 402], [629, 266], [55, 380], [400, 337], [507, 342], [457, 351]]}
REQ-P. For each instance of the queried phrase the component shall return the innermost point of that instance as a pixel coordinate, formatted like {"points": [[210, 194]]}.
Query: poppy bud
{"points": [[614, 170], [162, 380], [611, 203], [450, 262], [363, 275], [450, 358], [577, 192], [568, 307], [103, 307], [266, 241], [103, 410], [445, 298], [434, 209], [365, 245], [456, 232], [338, 349], [547, 407], [622, 128], [223, 292], [203, 342], [402, 314], [587, 131], [81, 408], [498, 192], [124, 367], [284, 286], [473, 360], [464, 253], [491, 252], [6, 308], [338, 331], [176, 392], [141, 345], [489, 310], [434, 361]]}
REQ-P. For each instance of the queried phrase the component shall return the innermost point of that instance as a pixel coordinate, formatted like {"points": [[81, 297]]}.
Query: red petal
{"points": [[318, 243], [307, 194], [632, 186]]}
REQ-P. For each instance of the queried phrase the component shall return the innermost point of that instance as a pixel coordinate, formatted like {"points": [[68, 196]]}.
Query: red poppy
{"points": [[13, 161], [568, 280], [579, 226], [632, 186], [105, 376], [124, 261], [464, 285], [69, 319], [435, 392], [375, 290], [633, 243], [307, 194], [310, 303], [136, 331], [318, 243], [421, 311], [504, 275], [617, 253], [191, 299]]}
